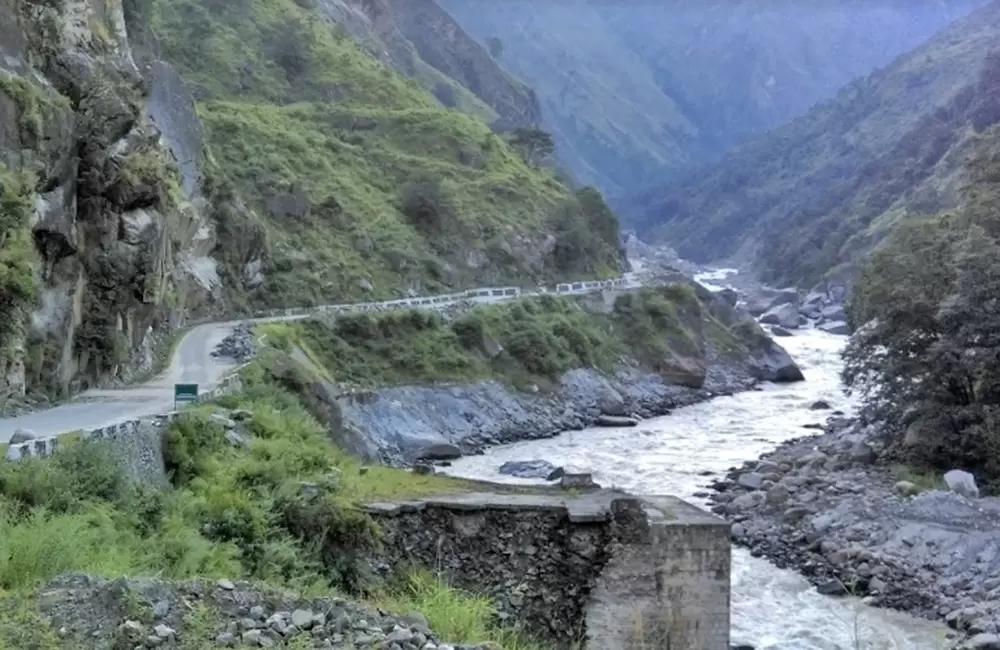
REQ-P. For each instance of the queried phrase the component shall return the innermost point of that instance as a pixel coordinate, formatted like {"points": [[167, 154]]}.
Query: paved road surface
{"points": [[192, 363]]}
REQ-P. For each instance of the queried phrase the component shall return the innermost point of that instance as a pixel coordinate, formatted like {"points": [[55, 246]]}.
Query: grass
{"points": [[524, 342], [456, 615], [330, 147], [232, 511], [923, 480]]}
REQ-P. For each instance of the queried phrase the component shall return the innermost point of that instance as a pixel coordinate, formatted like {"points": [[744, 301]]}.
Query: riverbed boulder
{"points": [[789, 296], [773, 363], [439, 451], [778, 330], [786, 315], [838, 327], [539, 469], [833, 313], [616, 421], [962, 482]]}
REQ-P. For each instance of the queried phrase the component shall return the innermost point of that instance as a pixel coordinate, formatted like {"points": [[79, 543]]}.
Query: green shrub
{"points": [[42, 544], [189, 445], [86, 471]]}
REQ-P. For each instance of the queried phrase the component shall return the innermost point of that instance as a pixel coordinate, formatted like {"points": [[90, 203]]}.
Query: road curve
{"points": [[192, 362]]}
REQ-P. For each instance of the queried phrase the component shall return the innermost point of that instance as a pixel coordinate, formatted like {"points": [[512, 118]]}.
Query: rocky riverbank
{"points": [[398, 425], [827, 507]]}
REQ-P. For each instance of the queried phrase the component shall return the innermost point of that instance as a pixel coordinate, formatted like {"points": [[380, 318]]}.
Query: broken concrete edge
{"points": [[42, 447], [592, 507]]}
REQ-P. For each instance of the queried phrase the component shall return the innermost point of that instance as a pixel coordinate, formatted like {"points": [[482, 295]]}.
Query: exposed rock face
{"points": [[112, 230]]}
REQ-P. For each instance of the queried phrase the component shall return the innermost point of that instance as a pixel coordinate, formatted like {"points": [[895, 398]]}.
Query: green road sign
{"points": [[185, 393]]}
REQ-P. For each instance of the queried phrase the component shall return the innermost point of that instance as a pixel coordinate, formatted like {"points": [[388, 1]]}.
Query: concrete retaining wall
{"points": [[618, 571]]}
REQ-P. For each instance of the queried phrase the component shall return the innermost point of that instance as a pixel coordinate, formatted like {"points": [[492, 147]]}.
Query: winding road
{"points": [[192, 363]]}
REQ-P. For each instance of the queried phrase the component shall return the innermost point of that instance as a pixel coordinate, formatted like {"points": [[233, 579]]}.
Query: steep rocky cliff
{"points": [[819, 192], [100, 242]]}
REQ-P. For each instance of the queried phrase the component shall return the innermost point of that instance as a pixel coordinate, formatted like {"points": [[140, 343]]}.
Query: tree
{"points": [[927, 309], [496, 47], [536, 146]]}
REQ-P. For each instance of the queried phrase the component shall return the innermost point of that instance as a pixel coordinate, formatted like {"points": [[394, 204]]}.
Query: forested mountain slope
{"points": [[819, 192]]}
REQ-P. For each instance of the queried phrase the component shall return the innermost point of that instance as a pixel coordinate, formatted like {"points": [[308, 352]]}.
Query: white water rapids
{"points": [[771, 608]]}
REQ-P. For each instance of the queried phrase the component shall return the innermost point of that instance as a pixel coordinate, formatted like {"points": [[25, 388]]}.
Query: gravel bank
{"points": [[150, 613], [822, 505]]}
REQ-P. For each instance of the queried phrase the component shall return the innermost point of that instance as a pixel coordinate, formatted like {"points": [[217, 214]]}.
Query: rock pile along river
{"points": [[680, 454]]}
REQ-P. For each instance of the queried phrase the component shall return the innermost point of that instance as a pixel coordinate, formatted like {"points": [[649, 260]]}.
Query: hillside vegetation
{"points": [[817, 193], [529, 342], [365, 185], [927, 303], [277, 505], [639, 92]]}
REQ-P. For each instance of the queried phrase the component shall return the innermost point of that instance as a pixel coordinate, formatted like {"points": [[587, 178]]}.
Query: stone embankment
{"points": [[149, 613], [825, 506]]}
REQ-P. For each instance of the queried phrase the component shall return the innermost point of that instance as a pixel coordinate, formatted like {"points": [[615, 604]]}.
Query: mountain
{"points": [[167, 161], [637, 93], [420, 40], [810, 198]]}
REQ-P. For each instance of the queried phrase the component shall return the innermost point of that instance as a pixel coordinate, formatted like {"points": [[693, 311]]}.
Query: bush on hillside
{"points": [[425, 204]]}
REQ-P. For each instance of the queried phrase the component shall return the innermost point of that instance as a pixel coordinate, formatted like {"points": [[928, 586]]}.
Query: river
{"points": [[771, 608]]}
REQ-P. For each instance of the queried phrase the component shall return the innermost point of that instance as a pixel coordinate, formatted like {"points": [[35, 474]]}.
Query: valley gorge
{"points": [[428, 257]]}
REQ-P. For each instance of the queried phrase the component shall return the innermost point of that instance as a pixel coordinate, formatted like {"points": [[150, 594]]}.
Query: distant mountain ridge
{"points": [[639, 93], [817, 193]]}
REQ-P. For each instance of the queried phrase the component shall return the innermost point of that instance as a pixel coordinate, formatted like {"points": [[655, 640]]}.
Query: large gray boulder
{"points": [[786, 315], [773, 363], [962, 482], [784, 297], [537, 469], [838, 327], [833, 312]]}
